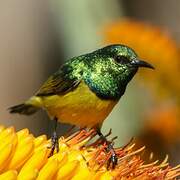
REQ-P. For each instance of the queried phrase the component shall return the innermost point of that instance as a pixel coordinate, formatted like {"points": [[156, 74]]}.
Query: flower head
{"points": [[23, 156]]}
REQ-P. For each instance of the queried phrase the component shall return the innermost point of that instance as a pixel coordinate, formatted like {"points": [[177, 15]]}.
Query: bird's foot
{"points": [[54, 143], [113, 160]]}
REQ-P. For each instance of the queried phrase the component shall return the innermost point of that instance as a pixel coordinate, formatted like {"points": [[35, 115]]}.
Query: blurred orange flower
{"points": [[168, 117], [23, 156], [161, 132]]}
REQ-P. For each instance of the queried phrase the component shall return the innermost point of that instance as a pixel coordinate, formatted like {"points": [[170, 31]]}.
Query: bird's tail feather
{"points": [[26, 109]]}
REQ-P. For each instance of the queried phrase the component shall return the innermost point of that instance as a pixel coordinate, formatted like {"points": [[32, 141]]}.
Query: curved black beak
{"points": [[141, 63]]}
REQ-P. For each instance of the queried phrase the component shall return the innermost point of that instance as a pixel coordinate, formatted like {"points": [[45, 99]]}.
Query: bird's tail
{"points": [[29, 107], [26, 109]]}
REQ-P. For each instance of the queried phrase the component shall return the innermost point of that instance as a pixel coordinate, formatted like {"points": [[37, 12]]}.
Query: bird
{"points": [[85, 89]]}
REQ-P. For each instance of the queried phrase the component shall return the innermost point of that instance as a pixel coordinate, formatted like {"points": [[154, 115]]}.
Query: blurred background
{"points": [[38, 36]]}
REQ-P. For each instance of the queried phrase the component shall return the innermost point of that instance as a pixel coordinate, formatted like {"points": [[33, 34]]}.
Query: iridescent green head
{"points": [[109, 70], [122, 56]]}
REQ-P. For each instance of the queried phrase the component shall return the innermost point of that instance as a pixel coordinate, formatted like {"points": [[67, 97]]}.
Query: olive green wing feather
{"points": [[60, 82]]}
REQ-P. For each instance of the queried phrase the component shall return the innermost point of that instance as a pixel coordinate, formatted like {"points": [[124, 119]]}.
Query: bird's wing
{"points": [[59, 83]]}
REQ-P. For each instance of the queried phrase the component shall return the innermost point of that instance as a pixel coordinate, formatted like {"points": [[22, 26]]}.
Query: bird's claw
{"points": [[54, 143], [113, 160]]}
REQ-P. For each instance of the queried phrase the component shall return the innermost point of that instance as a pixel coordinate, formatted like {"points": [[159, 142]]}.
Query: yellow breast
{"points": [[79, 107]]}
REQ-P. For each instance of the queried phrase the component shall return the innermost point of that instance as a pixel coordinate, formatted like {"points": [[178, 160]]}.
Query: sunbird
{"points": [[85, 89]]}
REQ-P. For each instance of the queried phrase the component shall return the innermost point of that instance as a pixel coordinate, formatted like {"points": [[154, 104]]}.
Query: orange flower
{"points": [[168, 116], [22, 156]]}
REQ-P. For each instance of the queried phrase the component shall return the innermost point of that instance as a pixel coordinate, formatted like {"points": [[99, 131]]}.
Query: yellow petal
{"points": [[61, 157], [11, 138], [23, 151], [75, 155], [49, 170], [36, 162], [39, 140], [63, 147], [68, 170], [9, 175], [83, 173], [22, 134], [46, 144], [31, 174], [4, 155], [5, 133]]}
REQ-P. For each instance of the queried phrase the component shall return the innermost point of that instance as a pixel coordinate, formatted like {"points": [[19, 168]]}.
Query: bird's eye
{"points": [[121, 59]]}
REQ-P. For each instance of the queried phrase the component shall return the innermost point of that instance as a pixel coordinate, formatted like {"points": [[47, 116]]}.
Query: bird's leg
{"points": [[54, 138], [113, 159]]}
